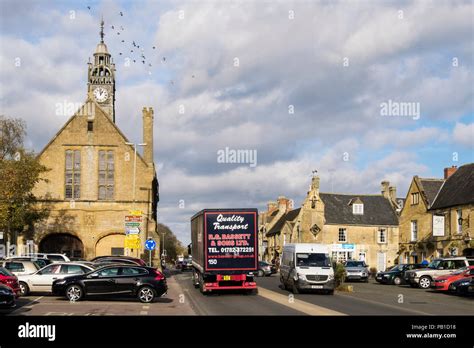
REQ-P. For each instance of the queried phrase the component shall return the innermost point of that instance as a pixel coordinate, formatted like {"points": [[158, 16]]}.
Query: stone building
{"points": [[359, 227], [438, 217], [96, 177]]}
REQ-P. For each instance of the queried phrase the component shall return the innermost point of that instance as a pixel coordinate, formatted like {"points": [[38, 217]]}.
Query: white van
{"points": [[307, 266]]}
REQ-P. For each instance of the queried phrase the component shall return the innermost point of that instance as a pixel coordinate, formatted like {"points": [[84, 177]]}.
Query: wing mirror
{"points": [[94, 275]]}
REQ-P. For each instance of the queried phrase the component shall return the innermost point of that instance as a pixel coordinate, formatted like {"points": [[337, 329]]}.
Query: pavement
{"points": [[183, 299]]}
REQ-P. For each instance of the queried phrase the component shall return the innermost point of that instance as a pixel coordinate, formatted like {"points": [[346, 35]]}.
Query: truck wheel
{"points": [[195, 280], [201, 284]]}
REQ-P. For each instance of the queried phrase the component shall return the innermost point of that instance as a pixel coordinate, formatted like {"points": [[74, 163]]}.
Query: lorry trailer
{"points": [[224, 249]]}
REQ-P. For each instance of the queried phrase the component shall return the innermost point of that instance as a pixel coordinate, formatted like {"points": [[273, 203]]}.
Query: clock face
{"points": [[101, 94]]}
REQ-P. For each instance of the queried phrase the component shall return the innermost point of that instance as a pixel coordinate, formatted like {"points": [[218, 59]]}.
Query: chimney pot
{"points": [[449, 171]]}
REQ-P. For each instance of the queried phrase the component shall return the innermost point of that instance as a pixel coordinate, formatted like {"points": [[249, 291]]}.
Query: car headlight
{"points": [[59, 282], [464, 283], [331, 277], [440, 281]]}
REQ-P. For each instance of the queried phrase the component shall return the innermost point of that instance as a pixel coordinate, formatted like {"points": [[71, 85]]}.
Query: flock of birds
{"points": [[135, 47]]}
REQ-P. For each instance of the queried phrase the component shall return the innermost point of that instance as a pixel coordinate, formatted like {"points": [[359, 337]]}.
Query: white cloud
{"points": [[464, 134]]}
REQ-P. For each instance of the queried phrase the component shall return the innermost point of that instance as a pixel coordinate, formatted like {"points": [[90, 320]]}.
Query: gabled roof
{"points": [[458, 189], [287, 217], [91, 100], [430, 187], [377, 210]]}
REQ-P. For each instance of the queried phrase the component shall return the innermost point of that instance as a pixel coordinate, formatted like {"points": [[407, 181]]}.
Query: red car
{"points": [[9, 280], [442, 283]]}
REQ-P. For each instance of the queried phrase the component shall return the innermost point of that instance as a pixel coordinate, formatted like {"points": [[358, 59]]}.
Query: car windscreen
{"points": [[55, 258], [355, 264], [312, 260], [5, 272]]}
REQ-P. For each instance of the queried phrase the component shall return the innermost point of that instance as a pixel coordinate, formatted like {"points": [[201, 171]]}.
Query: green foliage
{"points": [[20, 171], [172, 245], [339, 274]]}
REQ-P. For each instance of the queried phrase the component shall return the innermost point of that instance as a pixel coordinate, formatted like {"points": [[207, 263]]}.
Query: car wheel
{"points": [[74, 293], [260, 273], [146, 294], [397, 280], [425, 282], [195, 280], [24, 289]]}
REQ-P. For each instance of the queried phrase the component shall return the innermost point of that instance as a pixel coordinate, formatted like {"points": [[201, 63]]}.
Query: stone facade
{"points": [[445, 205], [90, 182], [323, 215]]}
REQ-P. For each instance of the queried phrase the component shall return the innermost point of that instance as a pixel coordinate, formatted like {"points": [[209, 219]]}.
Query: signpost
{"points": [[132, 224], [150, 245]]}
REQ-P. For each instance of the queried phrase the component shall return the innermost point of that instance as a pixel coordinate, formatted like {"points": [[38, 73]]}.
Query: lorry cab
{"points": [[307, 266]]}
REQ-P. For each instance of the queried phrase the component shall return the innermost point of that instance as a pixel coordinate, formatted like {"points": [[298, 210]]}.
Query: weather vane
{"points": [[102, 30]]}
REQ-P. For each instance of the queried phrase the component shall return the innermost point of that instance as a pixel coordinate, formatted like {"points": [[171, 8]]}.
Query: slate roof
{"points": [[431, 188], [377, 210], [458, 189], [290, 216]]}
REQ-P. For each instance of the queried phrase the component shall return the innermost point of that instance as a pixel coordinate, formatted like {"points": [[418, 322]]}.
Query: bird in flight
{"points": [[89, 7], [121, 13]]}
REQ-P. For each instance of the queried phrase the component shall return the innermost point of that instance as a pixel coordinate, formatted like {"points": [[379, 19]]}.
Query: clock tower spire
{"points": [[101, 76]]}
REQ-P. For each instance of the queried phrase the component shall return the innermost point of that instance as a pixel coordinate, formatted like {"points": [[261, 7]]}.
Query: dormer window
{"points": [[358, 209]]}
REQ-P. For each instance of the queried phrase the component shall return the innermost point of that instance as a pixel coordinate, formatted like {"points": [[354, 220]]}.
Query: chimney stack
{"points": [[148, 135], [272, 206], [449, 171], [385, 189], [393, 193], [283, 203]]}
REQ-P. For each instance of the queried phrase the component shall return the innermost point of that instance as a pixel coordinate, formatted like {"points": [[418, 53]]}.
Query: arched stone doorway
{"points": [[62, 243], [111, 244]]}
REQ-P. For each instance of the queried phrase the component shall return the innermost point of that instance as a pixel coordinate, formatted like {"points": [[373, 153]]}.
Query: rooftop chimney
{"points": [[393, 193], [272, 206], [148, 135], [449, 171], [283, 203], [385, 189]]}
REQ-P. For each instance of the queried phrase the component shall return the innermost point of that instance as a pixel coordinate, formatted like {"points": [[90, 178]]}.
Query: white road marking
{"points": [[146, 307], [298, 305], [143, 313]]}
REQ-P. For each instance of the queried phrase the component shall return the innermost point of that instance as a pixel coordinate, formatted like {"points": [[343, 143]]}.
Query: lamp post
{"points": [[134, 172]]}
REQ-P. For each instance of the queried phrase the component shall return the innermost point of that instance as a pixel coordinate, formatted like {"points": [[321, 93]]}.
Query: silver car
{"points": [[20, 267], [356, 270], [42, 280]]}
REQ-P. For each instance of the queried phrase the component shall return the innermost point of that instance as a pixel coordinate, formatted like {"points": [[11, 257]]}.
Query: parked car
{"points": [[42, 280], [41, 261], [118, 259], [20, 267], [9, 279], [464, 286], [7, 296], [145, 283], [395, 275], [265, 269], [470, 260], [438, 267], [52, 257], [442, 283], [357, 270]]}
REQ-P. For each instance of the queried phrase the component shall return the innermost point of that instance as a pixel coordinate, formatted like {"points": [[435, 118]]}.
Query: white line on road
{"points": [[143, 313], [146, 307], [301, 306]]}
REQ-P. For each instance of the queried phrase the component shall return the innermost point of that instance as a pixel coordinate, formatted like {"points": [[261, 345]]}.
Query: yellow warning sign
{"points": [[132, 241]]}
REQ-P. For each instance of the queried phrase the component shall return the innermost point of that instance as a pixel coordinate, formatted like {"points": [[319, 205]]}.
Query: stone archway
{"points": [[63, 243], [110, 244]]}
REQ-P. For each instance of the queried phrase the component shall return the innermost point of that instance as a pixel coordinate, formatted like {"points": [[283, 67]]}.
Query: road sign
{"points": [[136, 212], [150, 244], [132, 241], [133, 218], [132, 230]]}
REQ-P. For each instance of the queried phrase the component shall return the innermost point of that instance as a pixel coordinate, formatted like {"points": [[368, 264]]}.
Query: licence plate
{"points": [[226, 278], [316, 286]]}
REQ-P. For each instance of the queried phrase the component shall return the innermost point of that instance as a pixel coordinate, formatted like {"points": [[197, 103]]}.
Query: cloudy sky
{"points": [[302, 83]]}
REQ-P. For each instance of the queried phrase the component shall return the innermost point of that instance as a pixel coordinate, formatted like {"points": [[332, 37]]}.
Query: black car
{"points": [[7, 296], [396, 274], [146, 283], [464, 286]]}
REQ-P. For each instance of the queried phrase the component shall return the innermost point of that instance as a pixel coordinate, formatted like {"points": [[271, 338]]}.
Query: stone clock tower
{"points": [[101, 77]]}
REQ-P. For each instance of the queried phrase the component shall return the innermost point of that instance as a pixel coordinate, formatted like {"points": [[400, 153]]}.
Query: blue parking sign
{"points": [[150, 244]]}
